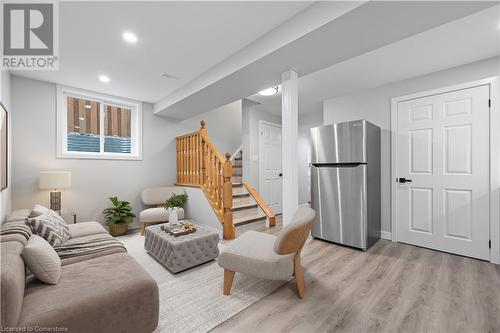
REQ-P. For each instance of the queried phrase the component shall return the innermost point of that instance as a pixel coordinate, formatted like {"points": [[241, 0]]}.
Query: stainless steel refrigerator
{"points": [[345, 183]]}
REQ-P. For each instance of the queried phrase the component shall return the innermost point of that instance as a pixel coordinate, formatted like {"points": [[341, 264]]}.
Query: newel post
{"points": [[203, 153], [227, 199]]}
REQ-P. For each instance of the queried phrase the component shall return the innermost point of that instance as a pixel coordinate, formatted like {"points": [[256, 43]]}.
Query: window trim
{"points": [[62, 128]]}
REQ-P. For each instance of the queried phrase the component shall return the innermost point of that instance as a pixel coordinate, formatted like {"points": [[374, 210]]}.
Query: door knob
{"points": [[403, 180], [280, 174]]}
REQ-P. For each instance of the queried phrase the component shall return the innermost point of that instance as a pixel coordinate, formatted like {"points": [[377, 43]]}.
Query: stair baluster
{"points": [[200, 164]]}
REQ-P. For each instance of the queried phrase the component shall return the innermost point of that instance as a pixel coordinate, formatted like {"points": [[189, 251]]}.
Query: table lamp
{"points": [[54, 181]]}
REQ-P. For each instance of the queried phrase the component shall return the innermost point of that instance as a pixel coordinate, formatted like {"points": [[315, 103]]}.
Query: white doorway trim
{"points": [[261, 165], [494, 87]]}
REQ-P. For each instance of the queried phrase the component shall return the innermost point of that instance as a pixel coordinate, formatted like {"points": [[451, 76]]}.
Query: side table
{"points": [[67, 213]]}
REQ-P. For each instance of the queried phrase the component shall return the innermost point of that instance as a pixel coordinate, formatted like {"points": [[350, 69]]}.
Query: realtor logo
{"points": [[29, 36]]}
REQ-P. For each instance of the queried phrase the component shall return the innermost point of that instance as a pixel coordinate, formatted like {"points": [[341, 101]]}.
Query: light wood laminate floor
{"points": [[393, 287]]}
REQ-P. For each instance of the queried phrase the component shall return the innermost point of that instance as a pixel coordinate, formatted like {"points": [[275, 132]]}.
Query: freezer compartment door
{"points": [[339, 143], [339, 197]]}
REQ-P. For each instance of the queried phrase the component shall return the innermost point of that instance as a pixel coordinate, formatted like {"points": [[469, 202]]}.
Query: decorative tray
{"points": [[179, 229]]}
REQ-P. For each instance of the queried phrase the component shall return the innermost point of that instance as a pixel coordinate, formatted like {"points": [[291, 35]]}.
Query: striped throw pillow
{"points": [[51, 227]]}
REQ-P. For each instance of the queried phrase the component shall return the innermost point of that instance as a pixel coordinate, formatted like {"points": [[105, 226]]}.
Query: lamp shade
{"points": [[54, 180]]}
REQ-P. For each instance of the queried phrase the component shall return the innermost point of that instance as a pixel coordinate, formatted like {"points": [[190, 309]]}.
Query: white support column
{"points": [[290, 133]]}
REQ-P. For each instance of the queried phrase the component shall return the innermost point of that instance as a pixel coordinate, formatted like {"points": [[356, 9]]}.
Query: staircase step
{"points": [[238, 158], [241, 195], [245, 206], [237, 184], [239, 190], [241, 200], [248, 219], [237, 174]]}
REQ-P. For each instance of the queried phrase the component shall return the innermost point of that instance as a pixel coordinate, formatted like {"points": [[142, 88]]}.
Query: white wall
{"points": [[252, 115], [5, 98], [93, 181], [223, 125], [374, 106], [200, 210]]}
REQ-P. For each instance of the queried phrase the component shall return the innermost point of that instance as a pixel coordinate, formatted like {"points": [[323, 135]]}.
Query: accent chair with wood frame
{"points": [[156, 196], [269, 257]]}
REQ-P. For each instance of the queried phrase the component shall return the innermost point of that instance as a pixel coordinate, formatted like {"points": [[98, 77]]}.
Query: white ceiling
{"points": [[354, 31], [361, 46], [184, 39], [472, 38]]}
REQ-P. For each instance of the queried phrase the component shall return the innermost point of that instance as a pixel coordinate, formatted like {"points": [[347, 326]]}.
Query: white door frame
{"points": [[261, 172], [494, 86]]}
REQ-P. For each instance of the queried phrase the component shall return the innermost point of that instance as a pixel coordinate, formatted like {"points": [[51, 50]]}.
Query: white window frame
{"points": [[62, 127]]}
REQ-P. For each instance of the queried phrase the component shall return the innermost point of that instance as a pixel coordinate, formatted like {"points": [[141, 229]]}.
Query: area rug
{"points": [[192, 301]]}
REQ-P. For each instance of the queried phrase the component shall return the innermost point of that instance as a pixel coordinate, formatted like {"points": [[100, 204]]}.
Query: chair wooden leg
{"points": [[228, 281], [299, 277], [143, 227]]}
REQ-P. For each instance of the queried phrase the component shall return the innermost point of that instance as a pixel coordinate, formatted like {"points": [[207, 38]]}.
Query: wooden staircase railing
{"points": [[200, 164], [262, 204]]}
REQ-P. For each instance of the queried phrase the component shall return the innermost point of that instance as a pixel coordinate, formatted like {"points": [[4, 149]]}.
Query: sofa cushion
{"points": [[18, 215], [252, 253], [88, 247], [12, 279], [158, 195], [158, 214], [38, 210], [107, 294], [42, 260], [51, 227], [86, 229]]}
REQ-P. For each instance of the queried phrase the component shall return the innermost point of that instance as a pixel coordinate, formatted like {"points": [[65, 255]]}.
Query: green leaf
{"points": [[114, 200], [128, 219], [176, 200], [120, 213]]}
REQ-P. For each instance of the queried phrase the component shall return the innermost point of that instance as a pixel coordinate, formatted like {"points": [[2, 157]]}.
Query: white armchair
{"points": [[267, 256], [156, 197]]}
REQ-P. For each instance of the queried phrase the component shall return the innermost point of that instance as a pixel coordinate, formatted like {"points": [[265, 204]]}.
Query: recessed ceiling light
{"points": [[104, 78], [170, 76], [129, 37], [88, 106], [81, 118], [269, 91]]}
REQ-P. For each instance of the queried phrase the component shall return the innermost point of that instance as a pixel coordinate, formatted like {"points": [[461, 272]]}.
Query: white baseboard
{"points": [[386, 235]]}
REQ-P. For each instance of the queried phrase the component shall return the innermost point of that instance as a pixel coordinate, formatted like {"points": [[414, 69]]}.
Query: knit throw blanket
{"points": [[15, 228], [87, 247]]}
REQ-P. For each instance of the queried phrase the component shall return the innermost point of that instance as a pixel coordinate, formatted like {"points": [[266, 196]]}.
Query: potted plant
{"points": [[118, 217], [175, 202]]}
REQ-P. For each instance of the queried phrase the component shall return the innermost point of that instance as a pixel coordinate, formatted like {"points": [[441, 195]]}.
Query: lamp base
{"points": [[55, 200]]}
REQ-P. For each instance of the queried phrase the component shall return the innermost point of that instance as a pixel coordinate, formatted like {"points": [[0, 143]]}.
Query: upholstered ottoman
{"points": [[182, 252]]}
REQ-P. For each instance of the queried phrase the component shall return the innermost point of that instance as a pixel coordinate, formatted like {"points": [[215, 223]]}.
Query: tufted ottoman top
{"points": [[183, 252]]}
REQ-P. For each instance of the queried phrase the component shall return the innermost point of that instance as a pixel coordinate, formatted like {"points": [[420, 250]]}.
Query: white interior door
{"points": [[443, 148], [270, 175]]}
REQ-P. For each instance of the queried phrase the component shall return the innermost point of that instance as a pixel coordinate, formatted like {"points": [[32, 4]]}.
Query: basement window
{"points": [[97, 127]]}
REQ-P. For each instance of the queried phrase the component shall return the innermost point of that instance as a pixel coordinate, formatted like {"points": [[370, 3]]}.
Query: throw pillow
{"points": [[51, 227], [42, 260], [38, 210]]}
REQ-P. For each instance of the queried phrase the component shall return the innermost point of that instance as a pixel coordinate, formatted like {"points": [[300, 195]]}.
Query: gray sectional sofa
{"points": [[100, 291]]}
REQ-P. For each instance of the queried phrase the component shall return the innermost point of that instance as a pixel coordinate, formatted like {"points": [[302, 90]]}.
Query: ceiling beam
{"points": [[353, 31]]}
